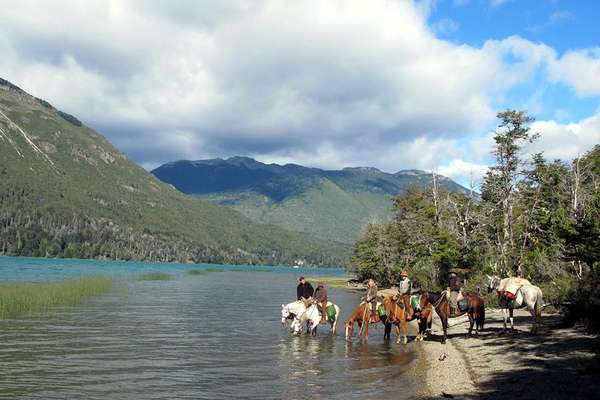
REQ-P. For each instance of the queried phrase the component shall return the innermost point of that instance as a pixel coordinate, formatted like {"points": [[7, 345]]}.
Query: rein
{"points": [[439, 301]]}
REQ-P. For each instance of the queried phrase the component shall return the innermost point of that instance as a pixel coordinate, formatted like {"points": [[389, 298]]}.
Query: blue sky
{"points": [[393, 84], [564, 25]]}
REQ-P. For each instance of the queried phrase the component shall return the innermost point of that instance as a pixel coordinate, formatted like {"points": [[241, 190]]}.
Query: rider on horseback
{"points": [[304, 291], [371, 297], [404, 291], [320, 297], [454, 287]]}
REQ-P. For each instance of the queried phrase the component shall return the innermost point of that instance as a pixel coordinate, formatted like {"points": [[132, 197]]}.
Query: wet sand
{"points": [[558, 363]]}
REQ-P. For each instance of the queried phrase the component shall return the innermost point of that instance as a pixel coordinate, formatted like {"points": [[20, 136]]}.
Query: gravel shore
{"points": [[558, 363]]}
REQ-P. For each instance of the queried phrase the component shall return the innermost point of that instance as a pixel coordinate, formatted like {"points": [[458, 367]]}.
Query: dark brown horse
{"points": [[475, 309]]}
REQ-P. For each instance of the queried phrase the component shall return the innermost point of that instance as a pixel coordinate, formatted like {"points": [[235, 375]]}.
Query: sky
{"points": [[394, 84]]}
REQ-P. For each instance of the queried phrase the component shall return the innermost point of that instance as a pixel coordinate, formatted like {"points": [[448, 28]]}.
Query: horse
{"points": [[475, 310], [293, 311], [300, 314], [525, 295], [397, 316], [312, 317], [362, 315]]}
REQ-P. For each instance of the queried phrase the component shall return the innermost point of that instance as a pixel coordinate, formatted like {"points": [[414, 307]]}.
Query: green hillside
{"points": [[66, 191], [325, 210], [328, 204]]}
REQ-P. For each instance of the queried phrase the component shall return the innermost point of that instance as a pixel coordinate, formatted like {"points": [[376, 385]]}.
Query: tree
{"points": [[500, 182]]}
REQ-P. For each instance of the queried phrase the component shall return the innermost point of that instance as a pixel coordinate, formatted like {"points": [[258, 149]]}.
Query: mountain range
{"points": [[330, 204], [65, 191]]}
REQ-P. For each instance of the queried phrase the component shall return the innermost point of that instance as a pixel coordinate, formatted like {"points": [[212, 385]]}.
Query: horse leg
{"points": [[512, 319], [471, 320], [445, 328], [533, 313], [504, 317], [397, 331], [403, 322], [387, 331]]}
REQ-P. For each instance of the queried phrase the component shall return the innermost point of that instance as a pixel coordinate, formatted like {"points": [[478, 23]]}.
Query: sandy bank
{"points": [[557, 364]]}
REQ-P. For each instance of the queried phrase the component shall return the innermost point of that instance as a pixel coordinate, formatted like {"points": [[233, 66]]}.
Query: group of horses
{"points": [[397, 314]]}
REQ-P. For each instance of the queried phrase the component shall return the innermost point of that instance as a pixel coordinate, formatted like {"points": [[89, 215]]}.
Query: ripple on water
{"points": [[214, 336]]}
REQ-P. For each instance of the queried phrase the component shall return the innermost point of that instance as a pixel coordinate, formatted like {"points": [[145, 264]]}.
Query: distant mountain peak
{"points": [[362, 169]]}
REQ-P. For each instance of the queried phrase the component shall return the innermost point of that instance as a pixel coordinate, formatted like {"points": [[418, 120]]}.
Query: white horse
{"points": [[525, 295], [300, 315]]}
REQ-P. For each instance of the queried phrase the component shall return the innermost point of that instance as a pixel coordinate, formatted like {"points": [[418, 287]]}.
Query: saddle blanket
{"points": [[513, 284], [331, 312]]}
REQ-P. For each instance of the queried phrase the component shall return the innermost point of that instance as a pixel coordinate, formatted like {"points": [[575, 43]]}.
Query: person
{"points": [[304, 290], [320, 297], [404, 291], [454, 287], [371, 298]]}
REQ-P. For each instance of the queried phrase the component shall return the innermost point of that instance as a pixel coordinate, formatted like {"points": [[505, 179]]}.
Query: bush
{"points": [[585, 307]]}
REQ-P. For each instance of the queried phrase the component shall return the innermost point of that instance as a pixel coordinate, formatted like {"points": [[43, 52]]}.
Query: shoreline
{"points": [[558, 363]]}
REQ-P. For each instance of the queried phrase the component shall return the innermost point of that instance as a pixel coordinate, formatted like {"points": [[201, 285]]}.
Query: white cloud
{"points": [[557, 17], [580, 69], [566, 141], [327, 84], [465, 172]]}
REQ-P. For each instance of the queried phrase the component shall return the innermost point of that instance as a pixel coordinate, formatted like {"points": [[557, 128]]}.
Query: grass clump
{"points": [[197, 272], [203, 271], [154, 276], [330, 281], [21, 298]]}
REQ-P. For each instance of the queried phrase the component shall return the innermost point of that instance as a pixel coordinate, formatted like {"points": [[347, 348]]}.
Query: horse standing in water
{"points": [[361, 315], [312, 317], [475, 310], [300, 315], [397, 316], [525, 295]]}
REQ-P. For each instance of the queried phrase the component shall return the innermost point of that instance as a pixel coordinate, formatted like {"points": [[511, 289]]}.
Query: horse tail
{"points": [[481, 315], [539, 303]]}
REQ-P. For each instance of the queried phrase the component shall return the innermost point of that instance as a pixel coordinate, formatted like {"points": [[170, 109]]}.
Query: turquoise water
{"points": [[211, 336], [30, 269]]}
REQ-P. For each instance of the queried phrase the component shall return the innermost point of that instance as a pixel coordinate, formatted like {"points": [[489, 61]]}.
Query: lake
{"points": [[209, 336]]}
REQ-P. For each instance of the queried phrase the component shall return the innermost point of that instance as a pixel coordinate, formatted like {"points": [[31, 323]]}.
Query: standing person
{"points": [[320, 297], [405, 290], [304, 290], [454, 286], [371, 297]]}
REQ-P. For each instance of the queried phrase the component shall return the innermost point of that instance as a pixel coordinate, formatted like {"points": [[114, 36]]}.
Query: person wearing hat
{"points": [[304, 290], [320, 297], [404, 291], [371, 298], [454, 286]]}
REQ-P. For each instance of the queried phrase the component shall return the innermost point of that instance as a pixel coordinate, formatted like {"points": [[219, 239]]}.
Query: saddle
{"points": [[330, 310]]}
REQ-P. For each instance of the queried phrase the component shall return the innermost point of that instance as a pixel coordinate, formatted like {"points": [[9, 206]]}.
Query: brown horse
{"points": [[361, 315], [397, 316], [475, 309]]}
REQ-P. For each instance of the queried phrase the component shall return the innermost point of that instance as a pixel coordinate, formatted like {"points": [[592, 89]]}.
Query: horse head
{"points": [[493, 283]]}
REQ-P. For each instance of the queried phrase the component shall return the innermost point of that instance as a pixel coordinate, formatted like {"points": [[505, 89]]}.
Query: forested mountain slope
{"points": [[330, 204], [66, 191]]}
